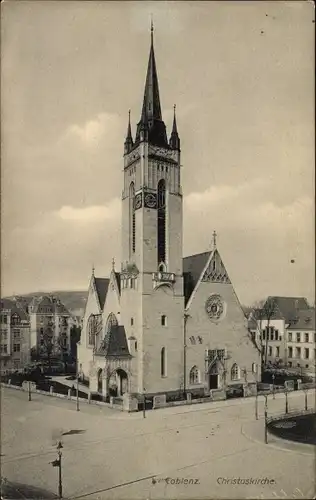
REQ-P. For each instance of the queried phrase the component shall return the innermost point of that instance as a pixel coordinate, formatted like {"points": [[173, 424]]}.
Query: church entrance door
{"points": [[213, 381]]}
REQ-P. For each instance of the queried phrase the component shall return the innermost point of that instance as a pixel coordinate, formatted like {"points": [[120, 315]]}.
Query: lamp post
{"points": [[306, 402], [30, 398], [286, 402], [57, 463], [186, 317], [144, 403], [77, 387], [265, 420], [273, 387]]}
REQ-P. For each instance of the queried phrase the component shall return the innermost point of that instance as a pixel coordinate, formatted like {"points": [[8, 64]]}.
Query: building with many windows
{"points": [[164, 323], [15, 336], [289, 332], [50, 324]]}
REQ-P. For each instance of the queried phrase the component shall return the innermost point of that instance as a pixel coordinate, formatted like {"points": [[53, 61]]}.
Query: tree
{"points": [[266, 312], [47, 345], [75, 335]]}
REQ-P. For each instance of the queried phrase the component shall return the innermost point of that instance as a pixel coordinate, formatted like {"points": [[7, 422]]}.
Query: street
{"points": [[200, 451]]}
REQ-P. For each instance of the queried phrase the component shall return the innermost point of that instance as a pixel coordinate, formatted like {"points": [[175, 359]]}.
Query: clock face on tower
{"points": [[138, 201], [150, 200], [215, 307]]}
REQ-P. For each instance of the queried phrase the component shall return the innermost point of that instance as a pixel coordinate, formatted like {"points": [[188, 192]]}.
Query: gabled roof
{"points": [[114, 343], [14, 308], [101, 286], [286, 307], [193, 266], [304, 320]]}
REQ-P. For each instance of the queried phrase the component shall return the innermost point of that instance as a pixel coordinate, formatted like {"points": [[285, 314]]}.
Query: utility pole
{"points": [[30, 398], [273, 388], [256, 406], [286, 402]]}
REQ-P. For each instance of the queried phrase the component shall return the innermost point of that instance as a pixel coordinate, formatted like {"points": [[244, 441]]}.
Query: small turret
{"points": [[174, 141], [128, 144]]}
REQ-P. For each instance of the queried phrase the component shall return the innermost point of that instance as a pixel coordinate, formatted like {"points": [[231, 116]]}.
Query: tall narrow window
{"points": [[163, 362], [161, 222], [132, 221]]}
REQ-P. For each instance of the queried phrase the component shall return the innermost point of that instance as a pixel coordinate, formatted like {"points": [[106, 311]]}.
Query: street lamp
{"points": [[306, 402], [57, 463], [266, 420], [186, 317], [144, 403], [286, 401], [273, 388], [77, 387], [30, 398]]}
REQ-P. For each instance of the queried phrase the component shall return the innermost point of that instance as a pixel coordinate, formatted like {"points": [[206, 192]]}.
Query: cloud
{"points": [[91, 133], [92, 213]]}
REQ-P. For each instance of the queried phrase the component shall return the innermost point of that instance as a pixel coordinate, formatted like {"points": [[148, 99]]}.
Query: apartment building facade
{"points": [[15, 337]]}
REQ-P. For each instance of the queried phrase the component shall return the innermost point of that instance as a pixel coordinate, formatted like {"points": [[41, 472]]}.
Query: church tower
{"points": [[152, 302]]}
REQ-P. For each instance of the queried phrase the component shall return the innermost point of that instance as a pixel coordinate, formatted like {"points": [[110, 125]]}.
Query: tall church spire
{"points": [[174, 142], [151, 118]]}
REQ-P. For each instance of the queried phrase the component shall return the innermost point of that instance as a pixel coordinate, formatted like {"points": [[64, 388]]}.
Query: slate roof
{"points": [[14, 308], [304, 320], [101, 285], [286, 307], [193, 266], [114, 343]]}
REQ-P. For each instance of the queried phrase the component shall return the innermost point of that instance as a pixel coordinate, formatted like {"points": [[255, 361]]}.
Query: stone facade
{"points": [[138, 323]]}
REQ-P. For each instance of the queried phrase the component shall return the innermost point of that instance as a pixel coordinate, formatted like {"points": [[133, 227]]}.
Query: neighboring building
{"points": [[301, 340], [15, 337], [163, 323], [49, 319], [290, 332]]}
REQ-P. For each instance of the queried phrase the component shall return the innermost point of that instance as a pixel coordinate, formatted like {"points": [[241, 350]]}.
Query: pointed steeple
{"points": [[128, 144], [174, 141], [151, 127]]}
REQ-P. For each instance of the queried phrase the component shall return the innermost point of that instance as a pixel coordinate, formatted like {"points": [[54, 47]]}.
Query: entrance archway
{"points": [[118, 382]]}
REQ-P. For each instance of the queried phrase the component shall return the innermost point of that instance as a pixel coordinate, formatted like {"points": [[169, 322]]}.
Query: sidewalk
{"points": [[70, 383], [254, 431]]}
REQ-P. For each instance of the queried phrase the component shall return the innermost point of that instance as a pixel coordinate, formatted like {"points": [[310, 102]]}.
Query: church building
{"points": [[162, 324]]}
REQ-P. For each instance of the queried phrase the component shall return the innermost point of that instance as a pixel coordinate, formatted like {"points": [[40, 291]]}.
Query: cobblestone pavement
{"points": [[200, 451]]}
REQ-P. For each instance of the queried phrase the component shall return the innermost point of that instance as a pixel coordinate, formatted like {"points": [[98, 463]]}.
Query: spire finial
{"points": [[214, 239], [113, 263], [93, 269], [151, 28]]}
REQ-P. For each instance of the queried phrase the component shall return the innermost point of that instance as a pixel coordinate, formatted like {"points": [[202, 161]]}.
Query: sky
{"points": [[242, 77]]}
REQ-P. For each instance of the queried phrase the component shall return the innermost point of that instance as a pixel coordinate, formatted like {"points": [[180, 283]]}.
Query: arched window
{"points": [[163, 370], [132, 221], [91, 330], [235, 372], [161, 222], [164, 320], [194, 377]]}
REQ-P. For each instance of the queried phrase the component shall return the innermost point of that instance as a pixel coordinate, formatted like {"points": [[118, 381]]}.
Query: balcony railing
{"points": [[162, 277]]}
